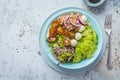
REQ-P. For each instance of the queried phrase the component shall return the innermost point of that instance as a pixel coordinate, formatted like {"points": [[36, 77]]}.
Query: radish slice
{"points": [[82, 21]]}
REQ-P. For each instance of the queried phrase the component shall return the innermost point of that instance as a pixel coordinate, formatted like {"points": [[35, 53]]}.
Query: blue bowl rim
{"points": [[68, 71], [64, 9]]}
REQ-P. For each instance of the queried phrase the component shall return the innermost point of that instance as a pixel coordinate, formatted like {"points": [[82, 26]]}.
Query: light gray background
{"points": [[20, 22]]}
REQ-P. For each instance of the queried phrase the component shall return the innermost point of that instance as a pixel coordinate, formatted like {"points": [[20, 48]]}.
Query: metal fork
{"points": [[108, 30]]}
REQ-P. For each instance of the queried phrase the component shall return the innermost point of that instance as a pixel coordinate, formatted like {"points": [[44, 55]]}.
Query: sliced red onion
{"points": [[57, 50], [84, 24], [65, 49], [72, 49], [70, 26], [67, 17], [76, 25]]}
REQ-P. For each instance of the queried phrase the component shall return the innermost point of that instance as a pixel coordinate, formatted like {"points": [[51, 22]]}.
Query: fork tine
{"points": [[108, 21]]}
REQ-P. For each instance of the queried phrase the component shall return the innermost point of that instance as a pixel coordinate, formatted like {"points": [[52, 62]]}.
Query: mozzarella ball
{"points": [[83, 19], [73, 42], [78, 36], [82, 28]]}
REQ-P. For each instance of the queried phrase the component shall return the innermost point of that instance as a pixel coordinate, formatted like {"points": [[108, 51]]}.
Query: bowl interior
{"points": [[44, 31]]}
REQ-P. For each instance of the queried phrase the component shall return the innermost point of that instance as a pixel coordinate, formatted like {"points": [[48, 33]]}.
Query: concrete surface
{"points": [[20, 22]]}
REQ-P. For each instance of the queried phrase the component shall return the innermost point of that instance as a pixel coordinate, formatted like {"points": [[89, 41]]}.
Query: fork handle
{"points": [[109, 61]]}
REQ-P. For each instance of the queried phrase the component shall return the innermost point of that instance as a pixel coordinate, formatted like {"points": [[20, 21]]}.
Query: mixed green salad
{"points": [[71, 38]]}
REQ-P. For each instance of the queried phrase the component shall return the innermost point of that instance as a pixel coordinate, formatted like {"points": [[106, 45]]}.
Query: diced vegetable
{"points": [[78, 36], [73, 42]]}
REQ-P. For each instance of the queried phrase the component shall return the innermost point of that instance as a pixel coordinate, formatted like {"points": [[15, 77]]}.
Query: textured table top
{"points": [[20, 22]]}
